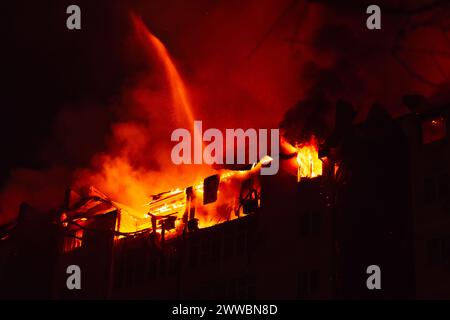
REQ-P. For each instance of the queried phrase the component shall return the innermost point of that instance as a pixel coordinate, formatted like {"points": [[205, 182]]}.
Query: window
{"points": [[194, 252], [436, 188], [152, 266], [439, 250], [433, 129], [443, 185], [304, 224], [315, 222], [215, 249], [241, 243], [172, 260], [229, 243], [302, 284], [310, 223], [429, 190], [307, 283], [313, 281], [434, 251], [205, 250], [73, 240], [243, 287]]}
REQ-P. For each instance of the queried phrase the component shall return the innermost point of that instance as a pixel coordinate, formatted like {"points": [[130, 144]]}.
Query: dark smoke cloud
{"points": [[410, 54]]}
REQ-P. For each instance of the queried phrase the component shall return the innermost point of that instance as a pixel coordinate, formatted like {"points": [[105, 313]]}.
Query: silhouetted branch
{"points": [[285, 12], [409, 70]]}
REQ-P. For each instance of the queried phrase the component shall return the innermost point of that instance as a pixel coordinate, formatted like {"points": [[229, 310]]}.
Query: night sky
{"points": [[67, 94], [48, 67]]}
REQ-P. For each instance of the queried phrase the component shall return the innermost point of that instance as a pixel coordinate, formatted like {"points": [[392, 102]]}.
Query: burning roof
{"points": [[217, 199]]}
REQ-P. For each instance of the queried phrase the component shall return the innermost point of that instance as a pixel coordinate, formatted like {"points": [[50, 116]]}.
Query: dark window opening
{"points": [[436, 188], [229, 244], [307, 283], [205, 251], [429, 190], [443, 185], [241, 243], [439, 250], [310, 223], [194, 253], [304, 224], [315, 226]]}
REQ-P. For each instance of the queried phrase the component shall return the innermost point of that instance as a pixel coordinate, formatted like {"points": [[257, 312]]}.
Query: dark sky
{"points": [[47, 67], [69, 95]]}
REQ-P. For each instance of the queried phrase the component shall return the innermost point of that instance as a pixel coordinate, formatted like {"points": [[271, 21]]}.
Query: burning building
{"points": [[187, 233], [308, 232], [370, 193]]}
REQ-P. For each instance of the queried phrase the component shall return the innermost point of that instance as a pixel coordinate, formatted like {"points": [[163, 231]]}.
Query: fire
{"points": [[122, 173], [214, 200], [309, 164], [177, 205]]}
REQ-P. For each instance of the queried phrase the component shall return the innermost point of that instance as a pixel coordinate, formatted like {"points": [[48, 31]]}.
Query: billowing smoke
{"points": [[244, 64], [410, 54]]}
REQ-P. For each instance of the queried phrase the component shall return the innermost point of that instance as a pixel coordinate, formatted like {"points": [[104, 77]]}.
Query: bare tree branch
{"points": [[410, 71], [280, 18]]}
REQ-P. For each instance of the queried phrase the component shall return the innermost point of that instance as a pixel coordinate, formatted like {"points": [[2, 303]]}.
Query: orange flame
{"points": [[226, 208], [168, 212], [309, 164]]}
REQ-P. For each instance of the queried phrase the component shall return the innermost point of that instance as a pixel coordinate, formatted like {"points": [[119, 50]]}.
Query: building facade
{"points": [[381, 199]]}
